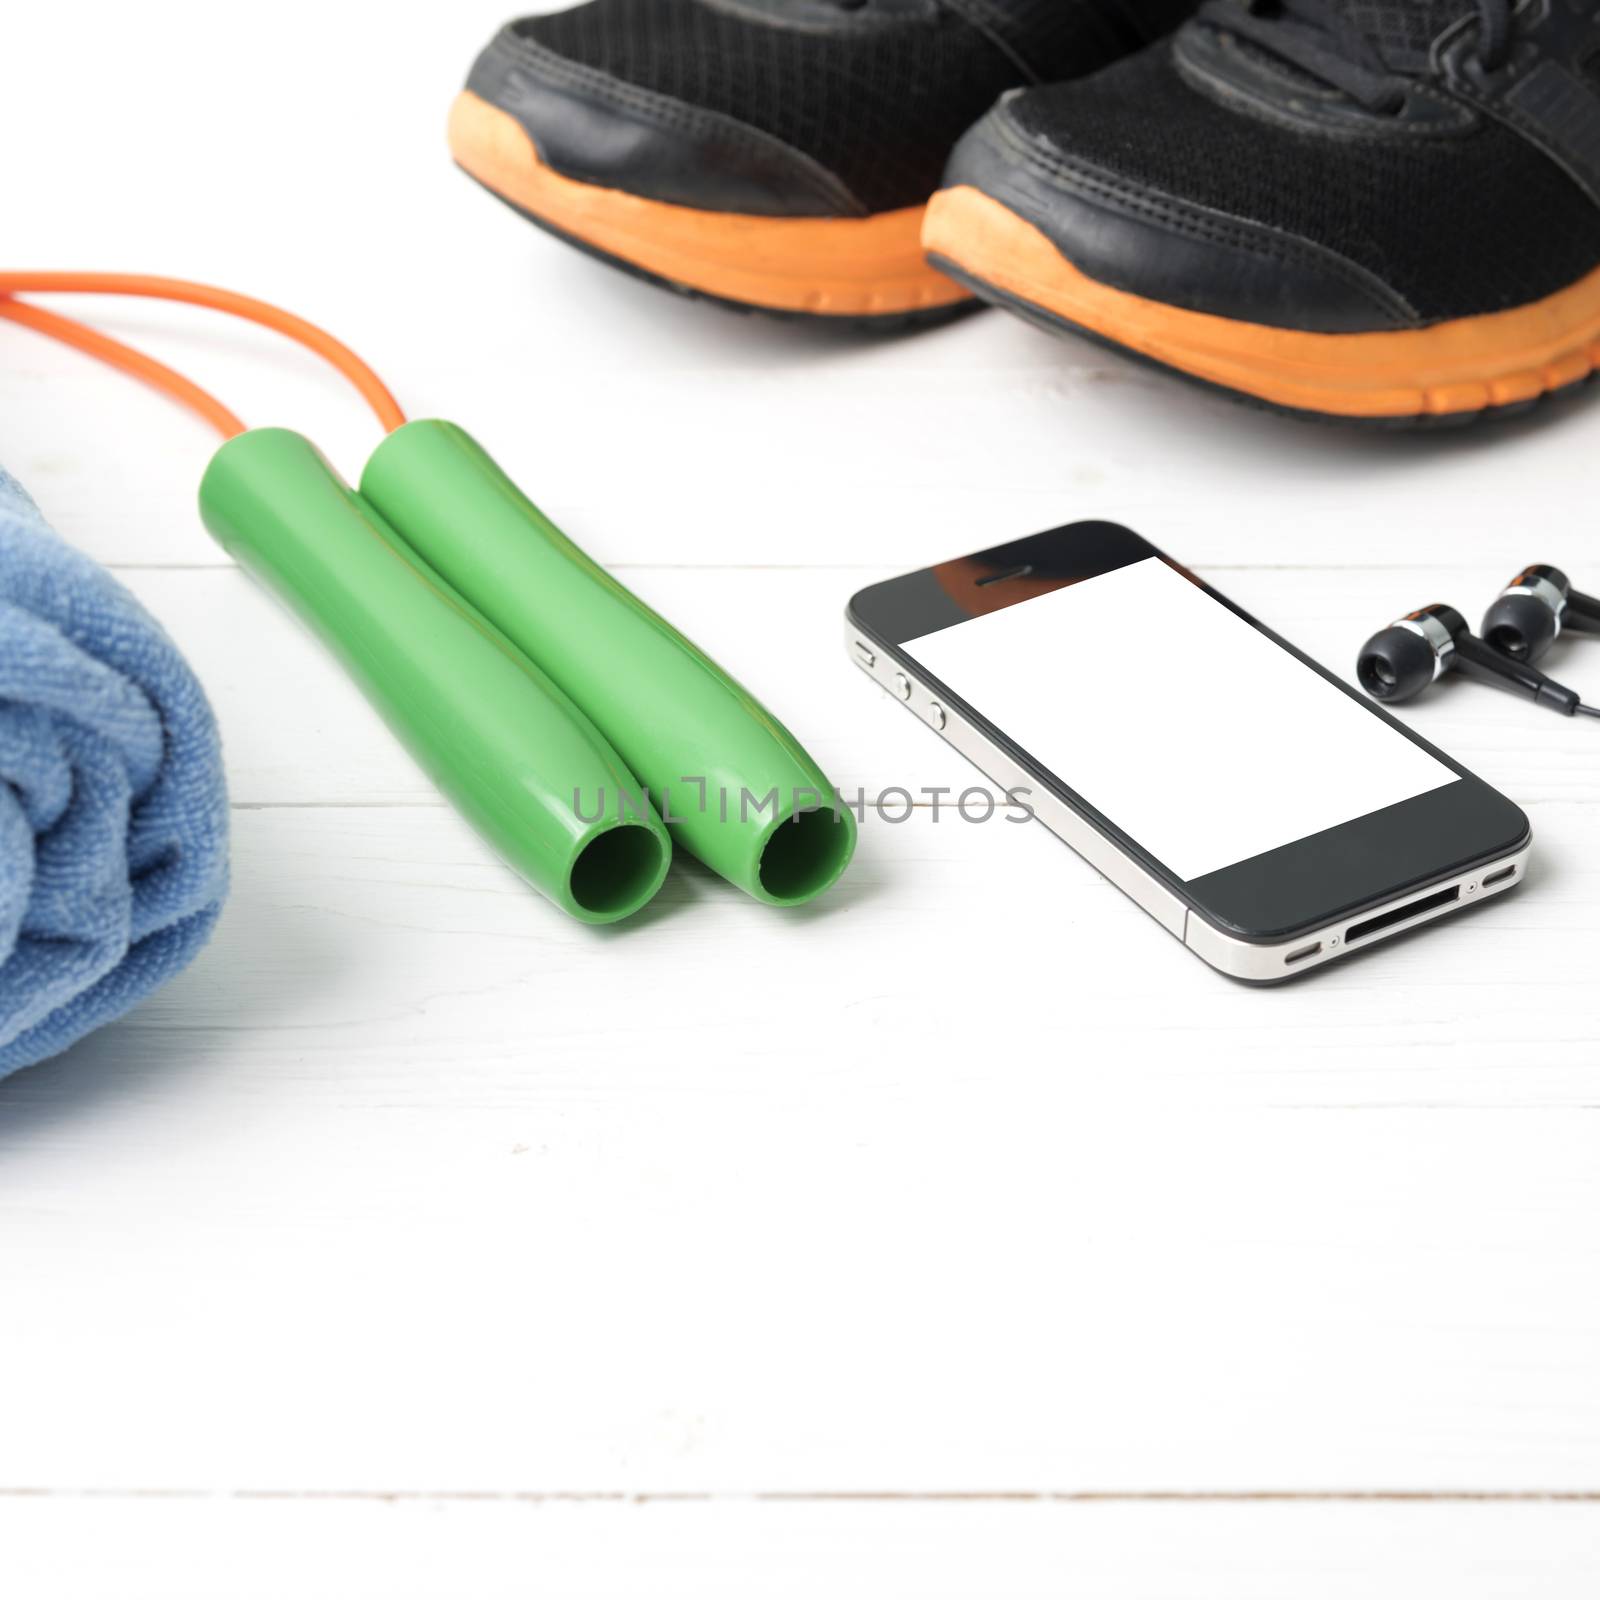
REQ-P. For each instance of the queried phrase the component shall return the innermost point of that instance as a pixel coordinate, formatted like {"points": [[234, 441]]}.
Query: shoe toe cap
{"points": [[1163, 248], [599, 129]]}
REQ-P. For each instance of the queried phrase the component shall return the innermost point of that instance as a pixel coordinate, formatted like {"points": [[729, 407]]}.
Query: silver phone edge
{"points": [[1237, 958]]}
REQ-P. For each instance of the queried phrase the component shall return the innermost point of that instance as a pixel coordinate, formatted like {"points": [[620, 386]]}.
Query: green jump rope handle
{"points": [[520, 762], [734, 785]]}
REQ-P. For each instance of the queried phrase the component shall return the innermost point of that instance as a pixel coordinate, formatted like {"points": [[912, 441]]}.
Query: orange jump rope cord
{"points": [[312, 337], [121, 356]]}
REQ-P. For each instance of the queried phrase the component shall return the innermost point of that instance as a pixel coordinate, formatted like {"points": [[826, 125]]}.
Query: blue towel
{"points": [[113, 811]]}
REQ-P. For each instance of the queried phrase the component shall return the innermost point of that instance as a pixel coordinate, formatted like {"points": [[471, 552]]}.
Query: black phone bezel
{"points": [[1297, 888]]}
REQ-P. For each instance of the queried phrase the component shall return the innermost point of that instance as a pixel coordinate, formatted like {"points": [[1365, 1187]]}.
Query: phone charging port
{"points": [[1405, 913]]}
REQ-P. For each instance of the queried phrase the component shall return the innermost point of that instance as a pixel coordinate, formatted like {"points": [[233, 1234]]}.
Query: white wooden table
{"points": [[961, 1236]]}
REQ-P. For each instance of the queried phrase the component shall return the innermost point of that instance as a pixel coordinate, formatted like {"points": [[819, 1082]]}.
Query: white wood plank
{"points": [[430, 1550], [298, 732], [780, 468], [959, 954], [410, 1184]]}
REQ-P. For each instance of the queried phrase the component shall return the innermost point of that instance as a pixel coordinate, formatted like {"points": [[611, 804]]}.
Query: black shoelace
{"points": [[1319, 38]]}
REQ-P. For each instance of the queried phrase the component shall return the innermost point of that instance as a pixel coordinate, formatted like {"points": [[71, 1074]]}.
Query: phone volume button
{"points": [[936, 715], [902, 685]]}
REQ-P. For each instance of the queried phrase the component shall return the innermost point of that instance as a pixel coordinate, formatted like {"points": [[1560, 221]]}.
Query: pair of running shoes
{"points": [[1384, 210]]}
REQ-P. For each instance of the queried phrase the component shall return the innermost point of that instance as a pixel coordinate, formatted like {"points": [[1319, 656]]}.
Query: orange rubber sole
{"points": [[1506, 358], [817, 266]]}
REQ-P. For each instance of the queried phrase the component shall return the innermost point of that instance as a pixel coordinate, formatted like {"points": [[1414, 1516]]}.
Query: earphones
{"points": [[1413, 653], [1536, 607]]}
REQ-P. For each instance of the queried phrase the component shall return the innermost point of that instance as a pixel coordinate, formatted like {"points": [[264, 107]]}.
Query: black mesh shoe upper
{"points": [[878, 100], [1403, 31], [1439, 204]]}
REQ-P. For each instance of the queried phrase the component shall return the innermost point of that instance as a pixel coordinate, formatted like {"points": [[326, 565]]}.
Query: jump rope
{"points": [[568, 722], [159, 376]]}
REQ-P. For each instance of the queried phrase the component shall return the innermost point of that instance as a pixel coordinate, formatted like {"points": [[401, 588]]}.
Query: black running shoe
{"points": [[1356, 208], [770, 153]]}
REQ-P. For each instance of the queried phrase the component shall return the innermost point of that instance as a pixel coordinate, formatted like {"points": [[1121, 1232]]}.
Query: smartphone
{"points": [[1261, 810]]}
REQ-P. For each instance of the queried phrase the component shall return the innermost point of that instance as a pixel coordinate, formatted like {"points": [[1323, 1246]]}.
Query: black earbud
{"points": [[1534, 610], [1420, 648]]}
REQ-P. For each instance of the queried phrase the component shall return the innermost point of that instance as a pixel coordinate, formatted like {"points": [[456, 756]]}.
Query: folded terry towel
{"points": [[113, 812]]}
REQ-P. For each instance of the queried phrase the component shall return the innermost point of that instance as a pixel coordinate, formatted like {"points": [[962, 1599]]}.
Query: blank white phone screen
{"points": [[1188, 729]]}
